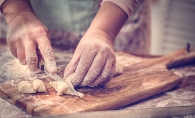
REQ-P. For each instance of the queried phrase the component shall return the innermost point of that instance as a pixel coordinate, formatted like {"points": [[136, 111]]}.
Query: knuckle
{"points": [[92, 49], [40, 31], [107, 50], [12, 41], [112, 58], [95, 46], [47, 50]]}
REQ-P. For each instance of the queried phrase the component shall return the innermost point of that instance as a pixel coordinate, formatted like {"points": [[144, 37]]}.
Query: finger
{"points": [[94, 70], [17, 49], [109, 77], [83, 66], [71, 67], [21, 54], [31, 55], [47, 53], [12, 46], [105, 75]]}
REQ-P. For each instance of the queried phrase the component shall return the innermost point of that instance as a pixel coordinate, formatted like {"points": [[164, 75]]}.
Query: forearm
{"points": [[12, 8], [110, 19]]}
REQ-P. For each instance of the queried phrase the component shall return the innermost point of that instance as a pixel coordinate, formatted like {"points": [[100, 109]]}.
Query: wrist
{"points": [[13, 8], [108, 21], [100, 34]]}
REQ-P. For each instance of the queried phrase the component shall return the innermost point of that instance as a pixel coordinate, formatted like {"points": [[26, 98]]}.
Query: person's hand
{"points": [[93, 61], [27, 37]]}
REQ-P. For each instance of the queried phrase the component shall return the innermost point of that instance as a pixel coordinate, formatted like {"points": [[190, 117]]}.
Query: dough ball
{"points": [[119, 69], [38, 85], [25, 87]]}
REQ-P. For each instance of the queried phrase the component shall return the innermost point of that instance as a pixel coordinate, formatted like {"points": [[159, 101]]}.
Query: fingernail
{"points": [[23, 62]]}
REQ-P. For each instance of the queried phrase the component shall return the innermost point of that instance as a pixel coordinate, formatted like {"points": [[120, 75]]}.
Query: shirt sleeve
{"points": [[1, 2], [128, 6]]}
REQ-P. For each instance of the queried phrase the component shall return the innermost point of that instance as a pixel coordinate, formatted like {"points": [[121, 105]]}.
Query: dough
{"points": [[68, 80], [65, 87], [38, 85], [61, 87], [25, 87], [119, 69]]}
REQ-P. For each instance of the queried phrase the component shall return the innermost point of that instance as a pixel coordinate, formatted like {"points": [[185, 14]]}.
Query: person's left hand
{"points": [[93, 61]]}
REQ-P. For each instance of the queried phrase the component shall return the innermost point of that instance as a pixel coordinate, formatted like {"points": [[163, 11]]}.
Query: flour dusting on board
{"points": [[12, 71]]}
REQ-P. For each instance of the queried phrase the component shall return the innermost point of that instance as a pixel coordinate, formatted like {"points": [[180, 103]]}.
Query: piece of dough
{"points": [[61, 87], [119, 69], [65, 87], [68, 80], [25, 87], [38, 85]]}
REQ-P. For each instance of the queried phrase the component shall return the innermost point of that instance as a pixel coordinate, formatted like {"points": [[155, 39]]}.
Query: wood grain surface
{"points": [[138, 81]]}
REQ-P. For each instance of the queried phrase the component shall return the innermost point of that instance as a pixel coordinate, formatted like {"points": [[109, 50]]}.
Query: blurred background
{"points": [[173, 25], [157, 27]]}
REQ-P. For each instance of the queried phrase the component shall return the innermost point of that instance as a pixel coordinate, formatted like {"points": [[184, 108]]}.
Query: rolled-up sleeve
{"points": [[128, 6]]}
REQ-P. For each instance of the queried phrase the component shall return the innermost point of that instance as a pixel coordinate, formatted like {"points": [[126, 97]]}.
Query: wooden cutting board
{"points": [[138, 81]]}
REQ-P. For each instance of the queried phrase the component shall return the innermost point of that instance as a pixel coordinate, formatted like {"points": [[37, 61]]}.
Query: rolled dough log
{"points": [[38, 85], [25, 87]]}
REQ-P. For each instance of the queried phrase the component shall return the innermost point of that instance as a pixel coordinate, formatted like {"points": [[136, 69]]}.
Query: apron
{"points": [[67, 15]]}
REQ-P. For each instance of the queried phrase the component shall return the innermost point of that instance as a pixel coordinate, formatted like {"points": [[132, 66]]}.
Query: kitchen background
{"points": [[172, 25]]}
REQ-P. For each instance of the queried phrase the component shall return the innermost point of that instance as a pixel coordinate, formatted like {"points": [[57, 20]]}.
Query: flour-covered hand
{"points": [[93, 61], [26, 37]]}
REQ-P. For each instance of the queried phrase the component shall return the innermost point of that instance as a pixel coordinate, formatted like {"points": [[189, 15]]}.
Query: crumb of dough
{"points": [[25, 87], [38, 85]]}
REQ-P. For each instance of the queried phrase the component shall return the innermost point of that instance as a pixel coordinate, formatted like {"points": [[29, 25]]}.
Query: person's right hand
{"points": [[26, 37]]}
